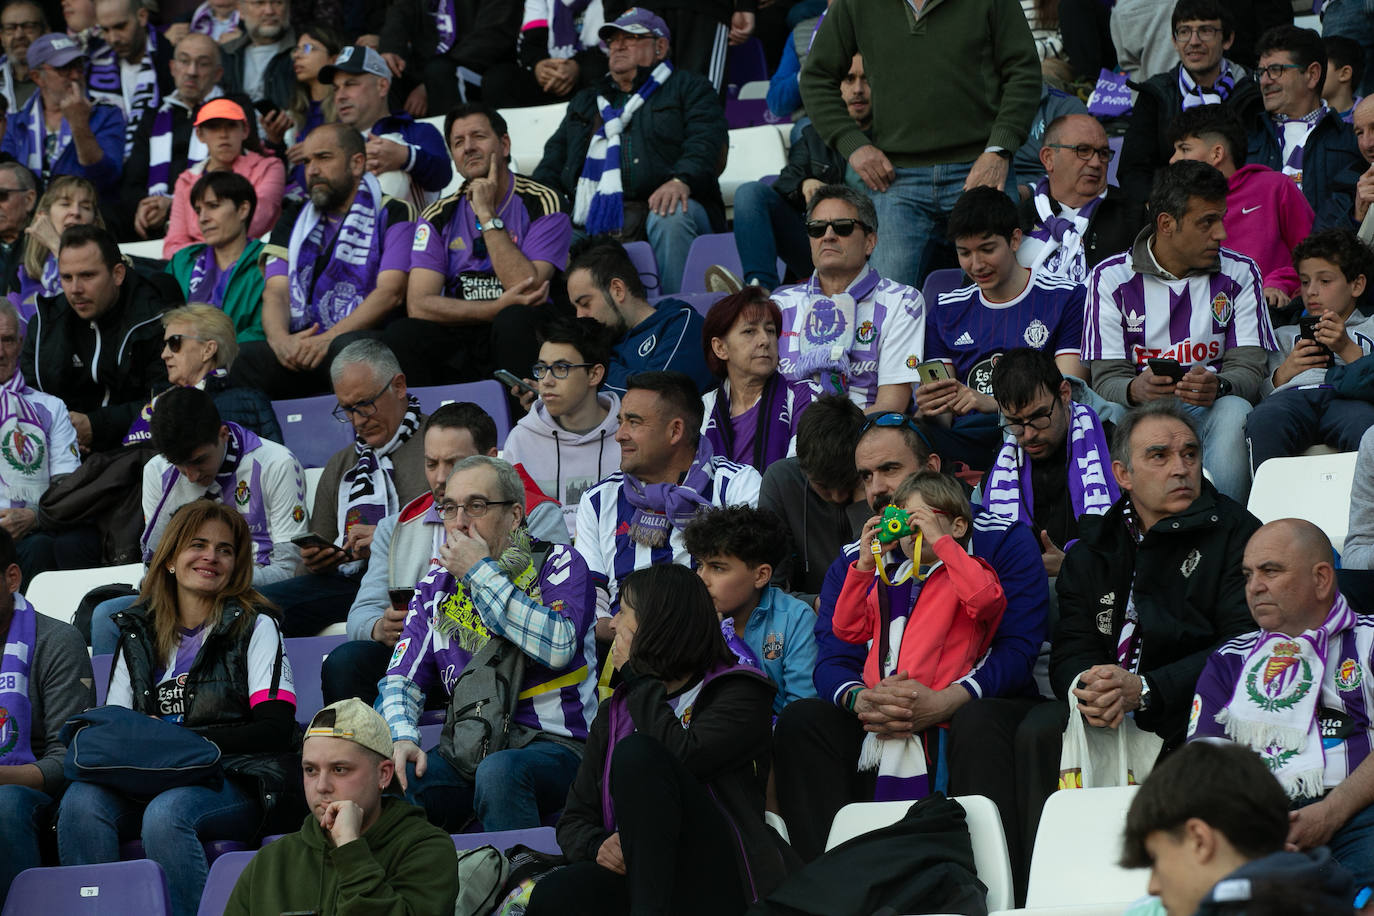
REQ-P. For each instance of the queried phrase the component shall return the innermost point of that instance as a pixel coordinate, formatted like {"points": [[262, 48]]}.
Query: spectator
{"points": [[1053, 468], [1348, 20], [483, 262], [752, 417], [68, 201], [312, 104], [634, 517], [784, 85], [1072, 219], [567, 441], [258, 62], [1357, 553], [818, 741], [1178, 295], [18, 194], [1054, 104], [89, 133], [850, 328], [369, 849], [769, 220], [1304, 623], [701, 31], [362, 484], [47, 680], [225, 130], [672, 120], [669, 797], [1141, 33], [223, 270], [1211, 823], [133, 68], [736, 550], [557, 53], [1298, 135], [604, 285], [1344, 74], [548, 618], [407, 156], [80, 20], [1283, 217], [38, 423], [21, 22], [1300, 408], [199, 649], [1203, 31], [216, 19], [327, 286], [817, 495], [914, 175], [1006, 306], [103, 377], [1363, 124], [425, 47], [166, 141]]}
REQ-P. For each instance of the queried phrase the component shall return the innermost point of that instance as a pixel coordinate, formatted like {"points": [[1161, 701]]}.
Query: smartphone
{"points": [[400, 597], [265, 106], [934, 370], [510, 380], [310, 539], [1307, 330], [1167, 367]]}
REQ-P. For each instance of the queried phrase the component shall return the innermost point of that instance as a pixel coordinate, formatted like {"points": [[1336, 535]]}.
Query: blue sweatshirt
{"points": [[107, 123], [1007, 668], [780, 631], [668, 340], [429, 163]]}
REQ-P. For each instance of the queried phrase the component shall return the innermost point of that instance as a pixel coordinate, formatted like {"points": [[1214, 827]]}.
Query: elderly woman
{"points": [[198, 347], [226, 132], [69, 201], [311, 106], [752, 417], [199, 648]]}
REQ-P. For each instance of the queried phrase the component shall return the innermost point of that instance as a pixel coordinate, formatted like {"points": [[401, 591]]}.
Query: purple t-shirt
{"points": [[208, 282], [744, 427]]}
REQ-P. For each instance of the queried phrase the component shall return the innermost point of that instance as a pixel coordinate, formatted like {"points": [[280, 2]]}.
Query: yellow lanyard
{"points": [[915, 563]]}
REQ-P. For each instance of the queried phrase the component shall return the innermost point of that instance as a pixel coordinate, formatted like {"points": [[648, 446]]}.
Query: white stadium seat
{"points": [[1312, 487], [56, 593], [1092, 875], [754, 153]]}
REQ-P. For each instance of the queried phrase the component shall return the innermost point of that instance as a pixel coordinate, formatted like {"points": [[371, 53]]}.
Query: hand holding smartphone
{"points": [[310, 539]]}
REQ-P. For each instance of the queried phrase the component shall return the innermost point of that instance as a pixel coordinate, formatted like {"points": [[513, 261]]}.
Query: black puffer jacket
{"points": [[1189, 594], [809, 157]]}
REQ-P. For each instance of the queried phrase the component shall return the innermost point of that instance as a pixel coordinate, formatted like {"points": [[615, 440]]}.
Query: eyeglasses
{"points": [[843, 227], [365, 408], [894, 420], [1041, 421], [304, 49], [559, 369], [173, 343], [621, 38], [262, 4], [1274, 71], [1086, 151], [476, 507], [9, 28], [1205, 32]]}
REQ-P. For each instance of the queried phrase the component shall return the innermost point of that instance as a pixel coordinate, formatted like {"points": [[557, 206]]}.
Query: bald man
{"points": [[1362, 120], [1299, 691]]}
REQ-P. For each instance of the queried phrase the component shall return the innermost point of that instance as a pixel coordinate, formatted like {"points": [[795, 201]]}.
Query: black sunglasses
{"points": [[173, 343], [843, 227], [893, 420]]}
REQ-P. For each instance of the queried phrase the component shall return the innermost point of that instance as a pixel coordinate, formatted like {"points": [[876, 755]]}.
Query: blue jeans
{"points": [[104, 632], [1224, 452], [1354, 19], [1292, 421], [514, 789], [1353, 847], [671, 238], [24, 812], [93, 820], [766, 226], [311, 602]]}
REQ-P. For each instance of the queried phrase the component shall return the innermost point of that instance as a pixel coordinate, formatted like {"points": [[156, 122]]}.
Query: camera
{"points": [[895, 525]]}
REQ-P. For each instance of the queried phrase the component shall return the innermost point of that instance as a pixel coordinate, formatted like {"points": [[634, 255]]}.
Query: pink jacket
{"points": [[1266, 216], [268, 178]]}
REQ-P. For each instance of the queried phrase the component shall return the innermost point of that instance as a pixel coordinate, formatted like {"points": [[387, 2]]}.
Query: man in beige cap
{"points": [[358, 850]]}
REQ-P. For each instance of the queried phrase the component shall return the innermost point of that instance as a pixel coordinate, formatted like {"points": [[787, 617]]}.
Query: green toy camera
{"points": [[895, 525]]}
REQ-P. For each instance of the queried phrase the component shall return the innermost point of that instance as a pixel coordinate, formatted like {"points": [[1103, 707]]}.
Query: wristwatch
{"points": [[494, 223], [1224, 387], [1144, 694]]}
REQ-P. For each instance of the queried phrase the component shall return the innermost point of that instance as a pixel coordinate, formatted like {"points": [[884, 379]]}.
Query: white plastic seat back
{"points": [[56, 593], [1312, 487], [1078, 850]]}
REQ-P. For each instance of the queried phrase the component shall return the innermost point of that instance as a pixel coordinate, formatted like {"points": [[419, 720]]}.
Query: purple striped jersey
{"points": [[1137, 316], [972, 332], [1343, 708]]}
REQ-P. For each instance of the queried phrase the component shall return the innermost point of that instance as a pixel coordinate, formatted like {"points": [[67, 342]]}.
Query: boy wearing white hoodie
{"points": [[567, 440]]}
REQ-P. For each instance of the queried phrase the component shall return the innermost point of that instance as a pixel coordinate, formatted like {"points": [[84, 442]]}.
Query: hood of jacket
{"points": [[539, 423], [1316, 872]]}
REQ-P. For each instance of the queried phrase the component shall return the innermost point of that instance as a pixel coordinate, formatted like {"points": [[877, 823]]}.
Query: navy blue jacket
{"points": [[429, 164], [1331, 164]]}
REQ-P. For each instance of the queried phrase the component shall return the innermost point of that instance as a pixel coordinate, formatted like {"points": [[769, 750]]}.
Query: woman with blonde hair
{"points": [[68, 201]]}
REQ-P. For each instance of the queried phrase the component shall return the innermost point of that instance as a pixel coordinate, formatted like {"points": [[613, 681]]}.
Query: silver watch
{"points": [[1144, 694], [494, 223]]}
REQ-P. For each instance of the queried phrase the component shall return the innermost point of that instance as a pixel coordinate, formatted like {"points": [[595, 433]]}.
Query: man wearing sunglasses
{"points": [[18, 195], [1298, 134]]}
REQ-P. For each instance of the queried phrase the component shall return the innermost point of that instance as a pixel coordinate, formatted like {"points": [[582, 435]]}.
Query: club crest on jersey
{"points": [[865, 333], [772, 646], [1349, 675], [1221, 308], [9, 732], [242, 494], [912, 362], [1036, 335], [298, 514]]}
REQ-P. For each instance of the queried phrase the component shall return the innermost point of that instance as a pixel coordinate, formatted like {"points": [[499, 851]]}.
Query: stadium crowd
{"points": [[840, 528]]}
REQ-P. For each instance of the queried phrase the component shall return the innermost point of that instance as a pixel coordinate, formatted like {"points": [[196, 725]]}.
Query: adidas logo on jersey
{"points": [[965, 340]]}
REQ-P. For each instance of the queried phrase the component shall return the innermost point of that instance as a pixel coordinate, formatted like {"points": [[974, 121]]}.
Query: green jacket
{"points": [[946, 85], [243, 297], [401, 866]]}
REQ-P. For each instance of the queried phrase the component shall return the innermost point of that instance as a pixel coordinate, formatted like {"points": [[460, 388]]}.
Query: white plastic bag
{"points": [[1095, 757]]}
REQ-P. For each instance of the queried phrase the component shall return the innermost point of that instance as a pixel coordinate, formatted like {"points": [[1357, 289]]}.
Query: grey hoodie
{"points": [[564, 464]]}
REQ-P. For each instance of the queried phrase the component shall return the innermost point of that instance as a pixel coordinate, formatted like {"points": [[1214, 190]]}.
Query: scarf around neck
{"points": [[563, 38], [1293, 134], [773, 423], [446, 22], [203, 21], [1194, 95], [326, 293], [827, 334], [1061, 237], [662, 507], [1092, 489], [222, 490], [141, 430], [367, 492], [106, 78], [160, 143], [599, 204], [16, 711], [24, 445], [37, 159], [1273, 709]]}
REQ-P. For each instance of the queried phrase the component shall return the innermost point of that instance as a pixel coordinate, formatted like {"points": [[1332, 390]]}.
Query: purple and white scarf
{"points": [[40, 158], [16, 712], [1273, 709], [1060, 238], [773, 419], [737, 644], [1194, 95], [204, 21], [1092, 489], [446, 22], [599, 204], [1128, 641], [828, 332], [326, 296], [107, 81], [1293, 134], [661, 507], [160, 143], [23, 445], [367, 493], [141, 430], [560, 18]]}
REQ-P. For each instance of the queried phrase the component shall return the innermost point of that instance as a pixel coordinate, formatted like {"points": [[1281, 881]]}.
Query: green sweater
{"points": [[960, 78], [401, 866], [242, 298]]}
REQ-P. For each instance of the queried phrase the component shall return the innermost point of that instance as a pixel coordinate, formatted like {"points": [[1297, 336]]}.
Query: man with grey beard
{"points": [[336, 266], [258, 63]]}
